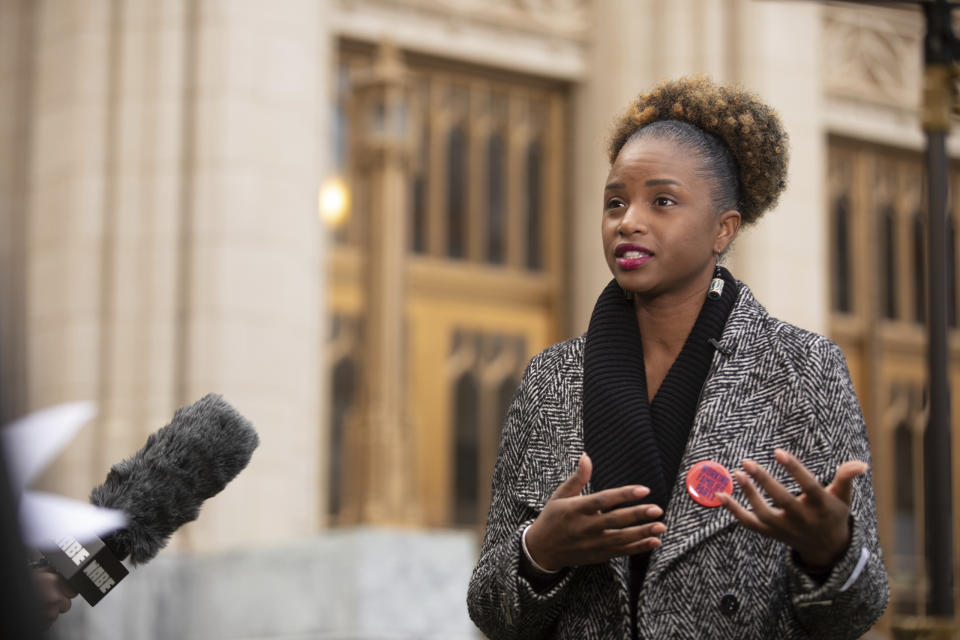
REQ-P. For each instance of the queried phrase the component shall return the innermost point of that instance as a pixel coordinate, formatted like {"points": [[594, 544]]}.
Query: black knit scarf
{"points": [[629, 439]]}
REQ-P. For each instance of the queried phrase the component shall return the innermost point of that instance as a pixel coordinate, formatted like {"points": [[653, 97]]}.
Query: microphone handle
{"points": [[91, 568]]}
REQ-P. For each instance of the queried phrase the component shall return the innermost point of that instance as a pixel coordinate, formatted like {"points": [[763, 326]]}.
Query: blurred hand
{"points": [[816, 524], [53, 593], [576, 530]]}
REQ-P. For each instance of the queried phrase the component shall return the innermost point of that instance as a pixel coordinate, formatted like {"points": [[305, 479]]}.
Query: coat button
{"points": [[729, 604]]}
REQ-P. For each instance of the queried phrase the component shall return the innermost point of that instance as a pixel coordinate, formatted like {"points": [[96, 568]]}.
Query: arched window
{"points": [[466, 450], [919, 269], [880, 228], [495, 200], [344, 389], [888, 262], [534, 206], [905, 542], [907, 556], [418, 193], [842, 299], [457, 192]]}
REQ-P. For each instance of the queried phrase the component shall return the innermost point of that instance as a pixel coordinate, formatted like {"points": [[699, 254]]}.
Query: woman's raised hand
{"points": [[815, 524], [575, 530]]}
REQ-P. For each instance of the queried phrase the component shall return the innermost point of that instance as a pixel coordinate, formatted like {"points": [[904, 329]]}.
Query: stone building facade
{"points": [[158, 194]]}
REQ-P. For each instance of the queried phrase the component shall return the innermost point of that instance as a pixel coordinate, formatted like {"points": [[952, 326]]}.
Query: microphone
{"points": [[159, 489]]}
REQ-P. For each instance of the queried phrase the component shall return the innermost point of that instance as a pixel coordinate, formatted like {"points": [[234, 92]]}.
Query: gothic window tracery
{"points": [[879, 304], [486, 367], [484, 154], [486, 194]]}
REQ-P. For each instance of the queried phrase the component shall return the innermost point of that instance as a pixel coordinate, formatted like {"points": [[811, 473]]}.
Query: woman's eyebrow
{"points": [[614, 185], [661, 181]]}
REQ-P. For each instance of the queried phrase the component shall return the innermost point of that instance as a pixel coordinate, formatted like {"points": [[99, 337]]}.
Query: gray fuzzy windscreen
{"points": [[163, 485]]}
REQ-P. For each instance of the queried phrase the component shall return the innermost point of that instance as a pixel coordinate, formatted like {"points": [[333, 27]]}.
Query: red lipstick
{"points": [[632, 256]]}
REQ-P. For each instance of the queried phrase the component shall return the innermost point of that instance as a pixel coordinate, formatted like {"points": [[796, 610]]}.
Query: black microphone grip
{"points": [[90, 567]]}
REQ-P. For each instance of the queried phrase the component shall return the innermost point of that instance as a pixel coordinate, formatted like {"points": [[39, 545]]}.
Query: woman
{"points": [[612, 512]]}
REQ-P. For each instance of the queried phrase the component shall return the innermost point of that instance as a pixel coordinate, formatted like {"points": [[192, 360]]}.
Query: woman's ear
{"points": [[727, 227]]}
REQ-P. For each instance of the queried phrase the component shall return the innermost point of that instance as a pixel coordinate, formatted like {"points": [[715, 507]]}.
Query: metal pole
{"points": [[938, 507]]}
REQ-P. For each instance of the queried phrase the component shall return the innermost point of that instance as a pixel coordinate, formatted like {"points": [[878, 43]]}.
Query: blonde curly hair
{"points": [[749, 130]]}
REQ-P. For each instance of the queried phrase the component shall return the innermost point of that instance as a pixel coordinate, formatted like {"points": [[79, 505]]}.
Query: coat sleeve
{"points": [[856, 590], [502, 603]]}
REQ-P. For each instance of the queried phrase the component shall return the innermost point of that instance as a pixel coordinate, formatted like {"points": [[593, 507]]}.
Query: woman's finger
{"points": [[761, 508], [609, 498], [629, 535], [745, 517], [808, 482], [640, 546], [573, 485], [605, 553], [778, 494], [842, 485], [627, 516]]}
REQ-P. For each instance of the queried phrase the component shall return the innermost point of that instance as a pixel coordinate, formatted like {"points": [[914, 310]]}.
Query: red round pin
{"points": [[706, 479]]}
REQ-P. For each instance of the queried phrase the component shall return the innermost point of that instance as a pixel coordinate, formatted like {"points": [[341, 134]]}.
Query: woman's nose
{"points": [[633, 221]]}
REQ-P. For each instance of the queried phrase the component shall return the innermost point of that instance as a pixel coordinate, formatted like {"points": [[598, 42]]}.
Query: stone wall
{"points": [[359, 584], [161, 168]]}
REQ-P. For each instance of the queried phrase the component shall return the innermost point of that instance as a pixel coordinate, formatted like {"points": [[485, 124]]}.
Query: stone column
{"points": [[173, 246], [67, 183], [380, 485], [251, 283], [784, 258], [16, 49], [619, 67]]}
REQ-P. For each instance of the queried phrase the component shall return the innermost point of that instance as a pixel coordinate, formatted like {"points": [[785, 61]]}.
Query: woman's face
{"points": [[661, 232]]}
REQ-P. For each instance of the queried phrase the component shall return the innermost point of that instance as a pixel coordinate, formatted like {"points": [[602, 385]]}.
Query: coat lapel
{"points": [[751, 402]]}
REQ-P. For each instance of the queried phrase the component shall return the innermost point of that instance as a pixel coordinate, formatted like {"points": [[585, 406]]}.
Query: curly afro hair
{"points": [[750, 130]]}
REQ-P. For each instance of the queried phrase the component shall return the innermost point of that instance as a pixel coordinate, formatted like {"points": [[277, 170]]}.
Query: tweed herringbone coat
{"points": [[771, 385]]}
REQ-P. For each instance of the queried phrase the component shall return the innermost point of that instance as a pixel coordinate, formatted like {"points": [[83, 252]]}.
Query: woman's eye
{"points": [[614, 203], [663, 201]]}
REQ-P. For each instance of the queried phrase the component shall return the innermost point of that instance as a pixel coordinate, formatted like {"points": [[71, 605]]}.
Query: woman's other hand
{"points": [[576, 530], [815, 524]]}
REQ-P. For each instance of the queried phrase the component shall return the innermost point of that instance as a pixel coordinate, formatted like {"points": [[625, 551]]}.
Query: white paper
{"points": [[33, 441], [29, 445], [45, 518]]}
